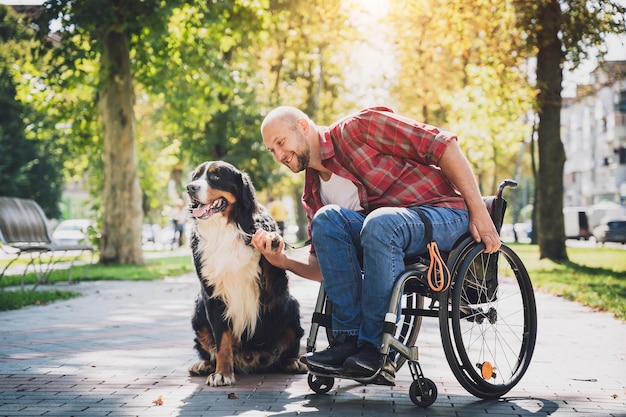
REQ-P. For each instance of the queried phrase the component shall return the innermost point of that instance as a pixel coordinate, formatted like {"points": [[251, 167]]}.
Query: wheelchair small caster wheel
{"points": [[320, 384], [425, 396]]}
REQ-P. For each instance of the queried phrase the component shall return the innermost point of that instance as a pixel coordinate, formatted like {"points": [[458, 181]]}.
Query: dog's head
{"points": [[219, 189]]}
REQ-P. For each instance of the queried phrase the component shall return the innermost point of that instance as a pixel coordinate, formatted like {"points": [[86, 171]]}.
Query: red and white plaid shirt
{"points": [[390, 158]]}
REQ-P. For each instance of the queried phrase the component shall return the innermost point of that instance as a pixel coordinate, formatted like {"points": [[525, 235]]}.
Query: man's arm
{"points": [[456, 168], [306, 267]]}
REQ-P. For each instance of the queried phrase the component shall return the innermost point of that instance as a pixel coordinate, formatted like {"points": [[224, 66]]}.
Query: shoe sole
{"points": [[324, 369], [381, 377]]}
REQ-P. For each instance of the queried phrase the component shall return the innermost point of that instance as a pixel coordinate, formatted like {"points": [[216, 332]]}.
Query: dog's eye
{"points": [[214, 177]]}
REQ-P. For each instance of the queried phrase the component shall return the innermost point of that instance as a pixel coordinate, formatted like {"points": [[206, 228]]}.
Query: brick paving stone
{"points": [[122, 345]]}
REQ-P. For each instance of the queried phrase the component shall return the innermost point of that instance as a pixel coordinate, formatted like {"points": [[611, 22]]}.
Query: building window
{"points": [[621, 104]]}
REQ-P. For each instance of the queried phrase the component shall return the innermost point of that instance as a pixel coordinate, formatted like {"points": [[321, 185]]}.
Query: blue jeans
{"points": [[362, 256]]}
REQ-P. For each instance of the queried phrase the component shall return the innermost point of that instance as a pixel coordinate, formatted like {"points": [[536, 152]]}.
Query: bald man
{"points": [[365, 175]]}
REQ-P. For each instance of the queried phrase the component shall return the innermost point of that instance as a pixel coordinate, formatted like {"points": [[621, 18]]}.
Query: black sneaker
{"points": [[366, 363], [387, 374], [331, 359]]}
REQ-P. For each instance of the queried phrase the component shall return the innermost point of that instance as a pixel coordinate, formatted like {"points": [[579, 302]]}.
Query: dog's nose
{"points": [[192, 188]]}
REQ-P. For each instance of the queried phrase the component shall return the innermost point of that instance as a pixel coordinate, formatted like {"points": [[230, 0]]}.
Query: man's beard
{"points": [[303, 155], [303, 161]]}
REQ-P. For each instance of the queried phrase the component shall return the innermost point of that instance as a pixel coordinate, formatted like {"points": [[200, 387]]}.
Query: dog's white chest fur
{"points": [[232, 268]]}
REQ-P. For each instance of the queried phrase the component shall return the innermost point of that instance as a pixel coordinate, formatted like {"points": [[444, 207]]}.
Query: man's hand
{"points": [[483, 230], [271, 245]]}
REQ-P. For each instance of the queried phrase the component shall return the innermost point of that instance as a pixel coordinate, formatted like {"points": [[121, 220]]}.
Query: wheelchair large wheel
{"points": [[408, 326], [489, 327]]}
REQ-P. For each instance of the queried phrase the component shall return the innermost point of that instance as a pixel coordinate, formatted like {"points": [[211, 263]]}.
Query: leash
{"points": [[307, 243], [438, 274], [287, 245]]}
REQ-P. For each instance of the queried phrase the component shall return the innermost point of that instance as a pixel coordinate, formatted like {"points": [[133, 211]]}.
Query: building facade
{"points": [[593, 131]]}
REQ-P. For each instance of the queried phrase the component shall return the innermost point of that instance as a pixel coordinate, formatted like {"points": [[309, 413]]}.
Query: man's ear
{"points": [[304, 125]]}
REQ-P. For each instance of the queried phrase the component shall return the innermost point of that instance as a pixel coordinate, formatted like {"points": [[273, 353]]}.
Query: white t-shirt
{"points": [[340, 191]]}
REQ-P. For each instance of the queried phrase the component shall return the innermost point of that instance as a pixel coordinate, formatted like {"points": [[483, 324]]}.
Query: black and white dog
{"points": [[245, 319]]}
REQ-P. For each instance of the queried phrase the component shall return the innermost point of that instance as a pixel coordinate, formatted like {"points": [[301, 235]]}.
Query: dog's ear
{"points": [[247, 206]]}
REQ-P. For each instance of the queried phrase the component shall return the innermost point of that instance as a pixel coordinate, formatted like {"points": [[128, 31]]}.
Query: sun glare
{"points": [[376, 7]]}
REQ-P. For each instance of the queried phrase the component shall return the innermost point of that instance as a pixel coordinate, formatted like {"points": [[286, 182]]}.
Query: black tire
{"points": [[425, 398], [320, 384], [489, 328]]}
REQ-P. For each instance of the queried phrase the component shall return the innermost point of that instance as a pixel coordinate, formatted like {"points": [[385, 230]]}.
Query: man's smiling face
{"points": [[288, 144]]}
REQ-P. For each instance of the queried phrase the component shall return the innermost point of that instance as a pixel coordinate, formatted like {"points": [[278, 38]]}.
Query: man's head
{"points": [[286, 131]]}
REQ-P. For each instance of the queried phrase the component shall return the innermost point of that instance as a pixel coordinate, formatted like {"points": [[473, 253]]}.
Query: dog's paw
{"points": [[201, 368], [275, 240], [294, 365], [219, 380]]}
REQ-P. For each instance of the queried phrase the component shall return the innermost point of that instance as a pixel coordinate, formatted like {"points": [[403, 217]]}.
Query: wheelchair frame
{"points": [[488, 344]]}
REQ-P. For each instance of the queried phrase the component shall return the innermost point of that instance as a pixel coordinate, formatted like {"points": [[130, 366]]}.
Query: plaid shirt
{"points": [[390, 158]]}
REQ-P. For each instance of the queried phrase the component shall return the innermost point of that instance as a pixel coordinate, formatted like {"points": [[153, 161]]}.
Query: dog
{"points": [[245, 319]]}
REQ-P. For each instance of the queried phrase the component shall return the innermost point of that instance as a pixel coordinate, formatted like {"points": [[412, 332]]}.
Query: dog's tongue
{"points": [[201, 210], [204, 211]]}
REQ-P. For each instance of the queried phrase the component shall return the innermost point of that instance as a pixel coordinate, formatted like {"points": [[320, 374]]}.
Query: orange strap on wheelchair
{"points": [[438, 275]]}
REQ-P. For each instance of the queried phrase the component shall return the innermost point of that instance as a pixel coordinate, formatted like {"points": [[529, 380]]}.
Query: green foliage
{"points": [[157, 268], [594, 276], [583, 25], [459, 70], [202, 74], [28, 160], [14, 300]]}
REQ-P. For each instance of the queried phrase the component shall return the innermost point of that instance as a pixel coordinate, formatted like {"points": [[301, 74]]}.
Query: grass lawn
{"points": [[153, 269], [593, 276]]}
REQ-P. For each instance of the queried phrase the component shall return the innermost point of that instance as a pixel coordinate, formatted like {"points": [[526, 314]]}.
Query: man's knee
{"points": [[388, 224], [329, 214]]}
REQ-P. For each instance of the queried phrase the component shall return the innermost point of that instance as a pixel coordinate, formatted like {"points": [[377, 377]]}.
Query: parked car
{"points": [[521, 230], [611, 231], [72, 232]]}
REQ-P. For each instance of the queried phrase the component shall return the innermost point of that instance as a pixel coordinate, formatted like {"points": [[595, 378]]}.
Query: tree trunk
{"points": [[551, 229], [121, 197]]}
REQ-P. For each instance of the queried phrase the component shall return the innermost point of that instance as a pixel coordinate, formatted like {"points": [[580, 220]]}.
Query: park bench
{"points": [[24, 232]]}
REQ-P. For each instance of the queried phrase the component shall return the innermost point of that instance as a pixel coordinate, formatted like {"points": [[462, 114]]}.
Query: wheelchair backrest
{"points": [[496, 206]]}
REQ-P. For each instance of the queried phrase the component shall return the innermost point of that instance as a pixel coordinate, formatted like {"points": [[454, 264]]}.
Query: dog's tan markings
{"points": [[203, 367], [228, 213], [252, 361], [288, 338], [206, 340], [224, 371]]}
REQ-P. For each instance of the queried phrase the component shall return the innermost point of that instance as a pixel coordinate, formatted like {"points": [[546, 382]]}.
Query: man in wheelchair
{"points": [[365, 177]]}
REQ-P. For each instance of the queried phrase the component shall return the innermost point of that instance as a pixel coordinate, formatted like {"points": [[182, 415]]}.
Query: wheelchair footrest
{"points": [[379, 378]]}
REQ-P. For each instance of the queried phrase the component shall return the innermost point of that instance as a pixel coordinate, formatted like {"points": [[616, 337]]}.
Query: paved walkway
{"points": [[123, 345]]}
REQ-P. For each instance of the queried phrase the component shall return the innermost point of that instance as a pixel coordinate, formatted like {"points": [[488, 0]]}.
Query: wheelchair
{"points": [[487, 318]]}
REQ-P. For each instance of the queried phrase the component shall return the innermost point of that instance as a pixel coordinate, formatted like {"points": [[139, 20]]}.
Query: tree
{"points": [[27, 161], [202, 80], [110, 36], [458, 69], [558, 32]]}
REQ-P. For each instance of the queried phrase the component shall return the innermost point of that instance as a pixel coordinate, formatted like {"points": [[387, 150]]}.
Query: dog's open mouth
{"points": [[204, 211]]}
